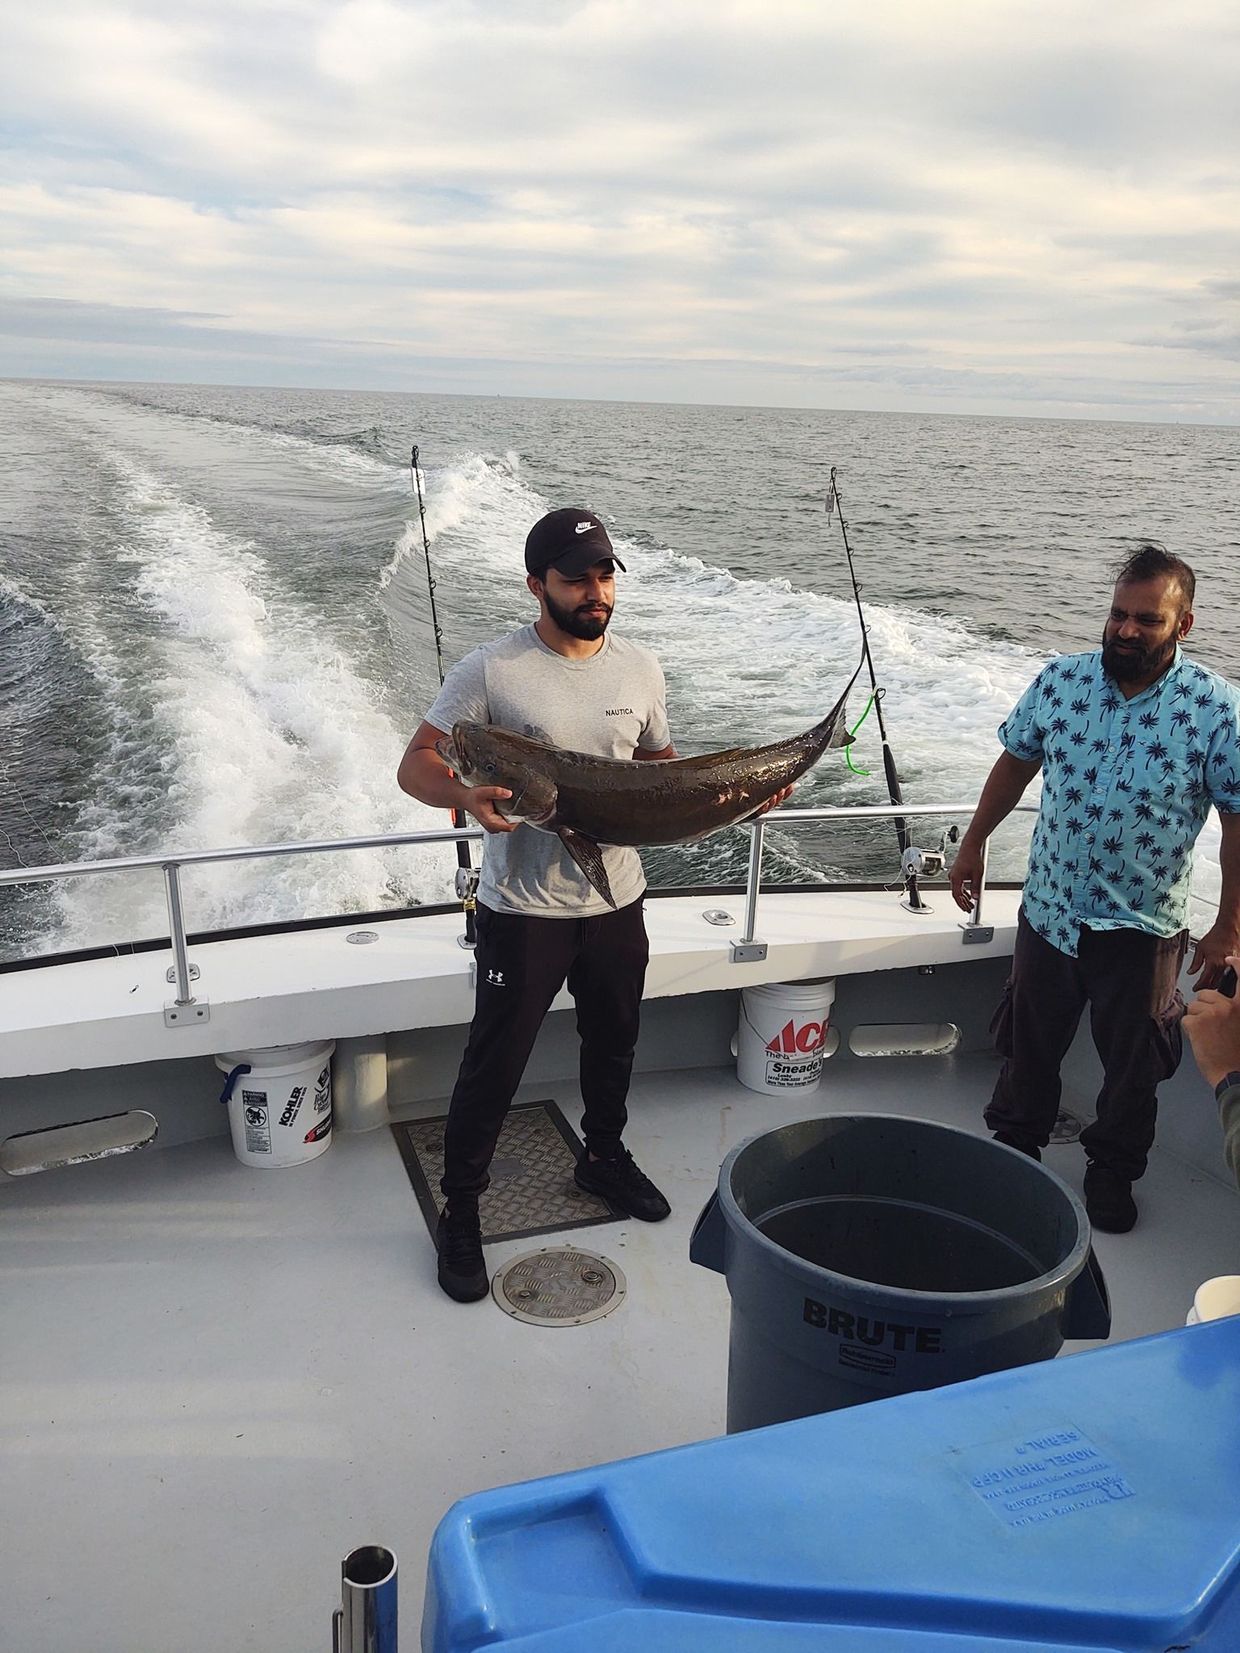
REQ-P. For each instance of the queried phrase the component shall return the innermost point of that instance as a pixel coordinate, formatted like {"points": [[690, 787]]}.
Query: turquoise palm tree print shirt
{"points": [[1126, 788]]}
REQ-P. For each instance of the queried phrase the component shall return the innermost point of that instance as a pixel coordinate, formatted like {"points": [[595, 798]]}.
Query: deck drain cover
{"points": [[558, 1287], [1067, 1127]]}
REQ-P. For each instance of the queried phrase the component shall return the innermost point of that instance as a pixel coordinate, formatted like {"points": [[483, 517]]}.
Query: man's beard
{"points": [[588, 626], [1130, 665]]}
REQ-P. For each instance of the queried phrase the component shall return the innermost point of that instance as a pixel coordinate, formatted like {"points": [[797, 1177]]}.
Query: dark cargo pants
{"points": [[522, 963], [1128, 979]]}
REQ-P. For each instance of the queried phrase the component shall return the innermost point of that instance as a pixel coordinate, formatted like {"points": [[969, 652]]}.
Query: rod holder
{"points": [[365, 1621]]}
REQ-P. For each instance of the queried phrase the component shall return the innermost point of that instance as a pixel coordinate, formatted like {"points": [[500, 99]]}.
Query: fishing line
{"points": [[466, 880], [21, 860], [835, 507]]}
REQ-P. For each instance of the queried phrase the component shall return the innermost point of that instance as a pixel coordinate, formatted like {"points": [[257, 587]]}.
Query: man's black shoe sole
{"points": [[1109, 1203], [1111, 1222], [463, 1288], [653, 1215]]}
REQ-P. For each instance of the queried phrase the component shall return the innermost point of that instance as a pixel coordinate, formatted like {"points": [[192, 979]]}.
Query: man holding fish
{"points": [[563, 902]]}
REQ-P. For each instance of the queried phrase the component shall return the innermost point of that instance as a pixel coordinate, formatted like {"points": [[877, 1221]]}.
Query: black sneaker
{"points": [[1108, 1199], [1010, 1141], [462, 1271], [623, 1185]]}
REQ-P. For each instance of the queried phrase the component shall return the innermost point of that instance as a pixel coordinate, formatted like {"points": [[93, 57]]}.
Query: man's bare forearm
{"points": [[1005, 787], [425, 776], [1229, 866]]}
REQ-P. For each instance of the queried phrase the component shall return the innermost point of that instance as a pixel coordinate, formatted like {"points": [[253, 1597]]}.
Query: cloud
{"points": [[977, 187]]}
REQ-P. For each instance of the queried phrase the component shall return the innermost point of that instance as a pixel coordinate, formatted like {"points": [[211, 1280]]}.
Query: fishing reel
{"points": [[918, 863], [928, 863], [466, 883], [467, 894]]}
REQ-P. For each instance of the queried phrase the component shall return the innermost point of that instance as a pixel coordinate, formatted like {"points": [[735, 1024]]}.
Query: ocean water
{"points": [[214, 621]]}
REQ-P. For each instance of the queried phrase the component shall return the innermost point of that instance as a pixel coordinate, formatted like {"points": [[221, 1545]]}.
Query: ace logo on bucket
{"points": [[784, 1035], [794, 1055]]}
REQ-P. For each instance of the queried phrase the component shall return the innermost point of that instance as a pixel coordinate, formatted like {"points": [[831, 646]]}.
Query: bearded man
{"points": [[1135, 742], [567, 680]]}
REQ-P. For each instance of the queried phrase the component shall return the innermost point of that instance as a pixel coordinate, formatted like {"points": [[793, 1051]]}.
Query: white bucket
{"points": [[279, 1102], [1215, 1298], [783, 1035]]}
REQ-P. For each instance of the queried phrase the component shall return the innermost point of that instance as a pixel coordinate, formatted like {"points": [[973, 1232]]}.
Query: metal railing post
{"points": [[974, 930], [176, 929], [184, 1008], [746, 950]]}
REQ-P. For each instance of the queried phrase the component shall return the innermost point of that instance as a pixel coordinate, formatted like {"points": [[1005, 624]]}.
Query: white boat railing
{"points": [[744, 949]]}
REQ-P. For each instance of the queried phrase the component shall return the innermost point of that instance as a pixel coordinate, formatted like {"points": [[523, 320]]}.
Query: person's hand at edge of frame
{"points": [[1212, 1027], [1212, 954]]}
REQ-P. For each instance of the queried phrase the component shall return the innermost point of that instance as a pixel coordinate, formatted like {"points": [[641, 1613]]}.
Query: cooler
{"points": [[1086, 1504]]}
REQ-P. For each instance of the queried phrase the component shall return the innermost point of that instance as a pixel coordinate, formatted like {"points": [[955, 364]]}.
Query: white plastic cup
{"points": [[783, 1035], [1215, 1299], [279, 1102]]}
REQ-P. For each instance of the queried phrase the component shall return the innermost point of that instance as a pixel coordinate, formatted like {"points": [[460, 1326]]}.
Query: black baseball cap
{"points": [[570, 542]]}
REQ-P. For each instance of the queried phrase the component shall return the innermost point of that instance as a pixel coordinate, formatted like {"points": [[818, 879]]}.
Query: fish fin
{"points": [[840, 735], [589, 857], [835, 724]]}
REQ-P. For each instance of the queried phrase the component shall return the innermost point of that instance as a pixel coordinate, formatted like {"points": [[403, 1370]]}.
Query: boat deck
{"points": [[216, 1381]]}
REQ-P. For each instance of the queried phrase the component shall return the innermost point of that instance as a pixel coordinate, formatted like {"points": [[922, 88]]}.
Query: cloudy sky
{"points": [[961, 205]]}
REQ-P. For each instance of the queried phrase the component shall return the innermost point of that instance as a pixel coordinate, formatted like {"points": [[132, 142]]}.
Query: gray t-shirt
{"points": [[606, 705]]}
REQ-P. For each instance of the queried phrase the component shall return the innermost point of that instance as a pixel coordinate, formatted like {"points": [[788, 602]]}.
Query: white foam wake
{"points": [[481, 497], [262, 732]]}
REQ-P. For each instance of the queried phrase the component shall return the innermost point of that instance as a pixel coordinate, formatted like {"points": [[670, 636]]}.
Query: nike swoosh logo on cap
{"points": [[583, 528]]}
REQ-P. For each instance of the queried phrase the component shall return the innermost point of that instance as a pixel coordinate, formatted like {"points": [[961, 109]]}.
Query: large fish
{"points": [[587, 801]]}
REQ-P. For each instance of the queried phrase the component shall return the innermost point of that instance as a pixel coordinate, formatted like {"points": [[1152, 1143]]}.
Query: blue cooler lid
{"points": [[1084, 1504]]}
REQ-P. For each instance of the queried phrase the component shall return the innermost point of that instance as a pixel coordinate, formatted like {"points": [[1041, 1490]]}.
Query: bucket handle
{"points": [[708, 1242], [226, 1093], [1087, 1307]]}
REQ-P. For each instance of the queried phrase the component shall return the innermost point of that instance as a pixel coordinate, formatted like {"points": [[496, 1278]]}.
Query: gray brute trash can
{"points": [[870, 1255]]}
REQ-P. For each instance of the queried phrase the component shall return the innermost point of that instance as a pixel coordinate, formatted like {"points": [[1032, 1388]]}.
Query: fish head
{"points": [[484, 755]]}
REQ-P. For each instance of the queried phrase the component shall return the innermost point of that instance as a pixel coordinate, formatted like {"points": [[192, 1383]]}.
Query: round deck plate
{"points": [[558, 1286]]}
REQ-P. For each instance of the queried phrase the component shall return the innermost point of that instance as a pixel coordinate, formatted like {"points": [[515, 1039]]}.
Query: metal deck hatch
{"points": [[558, 1286]]}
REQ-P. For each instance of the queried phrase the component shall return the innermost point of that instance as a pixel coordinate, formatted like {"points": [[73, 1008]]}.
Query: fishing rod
{"points": [[466, 877], [835, 507]]}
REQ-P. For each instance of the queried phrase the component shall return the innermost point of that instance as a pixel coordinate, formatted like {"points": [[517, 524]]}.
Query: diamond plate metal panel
{"points": [[532, 1189]]}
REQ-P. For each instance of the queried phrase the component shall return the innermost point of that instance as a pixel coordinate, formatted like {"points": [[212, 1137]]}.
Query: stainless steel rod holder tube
{"points": [[365, 1621], [754, 880], [176, 929]]}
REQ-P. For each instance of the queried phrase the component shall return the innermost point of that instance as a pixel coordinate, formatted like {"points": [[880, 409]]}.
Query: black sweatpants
{"points": [[522, 963], [1128, 979]]}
